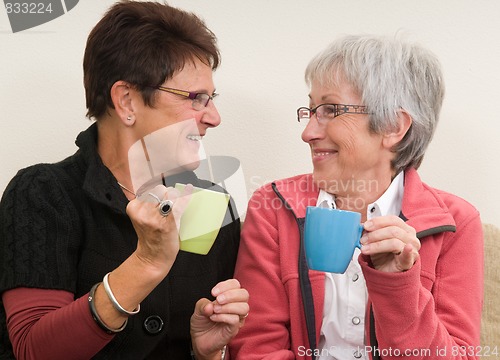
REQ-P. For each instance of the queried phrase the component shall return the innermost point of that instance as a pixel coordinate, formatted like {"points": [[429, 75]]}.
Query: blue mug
{"points": [[330, 238]]}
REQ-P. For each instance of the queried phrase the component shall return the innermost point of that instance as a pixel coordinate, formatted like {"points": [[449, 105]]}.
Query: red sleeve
{"points": [[50, 324]]}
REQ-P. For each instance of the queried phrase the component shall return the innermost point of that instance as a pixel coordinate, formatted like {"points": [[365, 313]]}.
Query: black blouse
{"points": [[64, 226]]}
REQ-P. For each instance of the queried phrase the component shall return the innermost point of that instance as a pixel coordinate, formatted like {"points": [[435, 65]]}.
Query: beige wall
{"points": [[266, 46]]}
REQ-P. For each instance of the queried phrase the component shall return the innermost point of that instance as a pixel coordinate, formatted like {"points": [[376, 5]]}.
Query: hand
{"points": [[158, 236], [391, 243], [215, 323]]}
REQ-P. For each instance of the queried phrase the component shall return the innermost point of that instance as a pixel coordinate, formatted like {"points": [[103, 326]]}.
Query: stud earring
{"points": [[129, 118]]}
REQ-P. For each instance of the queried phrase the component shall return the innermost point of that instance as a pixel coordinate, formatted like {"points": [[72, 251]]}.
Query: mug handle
{"points": [[360, 232]]}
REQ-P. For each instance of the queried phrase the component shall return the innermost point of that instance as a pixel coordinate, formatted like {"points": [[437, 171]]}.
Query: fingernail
{"points": [[363, 239], [217, 308], [365, 248], [220, 299], [215, 291], [367, 224]]}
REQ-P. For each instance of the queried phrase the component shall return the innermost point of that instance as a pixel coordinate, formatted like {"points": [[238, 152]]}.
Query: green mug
{"points": [[202, 219]]}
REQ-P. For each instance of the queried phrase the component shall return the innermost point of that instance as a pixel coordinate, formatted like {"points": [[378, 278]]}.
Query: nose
{"points": [[211, 117], [314, 130]]}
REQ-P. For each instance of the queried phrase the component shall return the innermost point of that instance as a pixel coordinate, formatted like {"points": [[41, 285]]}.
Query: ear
{"points": [[403, 124], [122, 100]]}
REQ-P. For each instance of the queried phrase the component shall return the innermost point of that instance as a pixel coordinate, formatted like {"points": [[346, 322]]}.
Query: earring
{"points": [[129, 118]]}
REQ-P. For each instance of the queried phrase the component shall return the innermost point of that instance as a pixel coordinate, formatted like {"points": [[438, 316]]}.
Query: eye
{"points": [[201, 97], [328, 110]]}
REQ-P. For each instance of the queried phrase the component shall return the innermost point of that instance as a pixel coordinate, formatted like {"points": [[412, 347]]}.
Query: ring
{"points": [[155, 197], [165, 207]]}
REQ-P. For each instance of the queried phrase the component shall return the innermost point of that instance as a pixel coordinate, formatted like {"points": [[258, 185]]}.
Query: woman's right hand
{"points": [[158, 235]]}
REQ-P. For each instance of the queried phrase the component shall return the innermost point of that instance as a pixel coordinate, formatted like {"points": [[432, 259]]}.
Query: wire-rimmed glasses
{"points": [[200, 100], [327, 112]]}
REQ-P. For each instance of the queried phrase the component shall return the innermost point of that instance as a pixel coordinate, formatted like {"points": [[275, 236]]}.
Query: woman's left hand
{"points": [[215, 323], [391, 243]]}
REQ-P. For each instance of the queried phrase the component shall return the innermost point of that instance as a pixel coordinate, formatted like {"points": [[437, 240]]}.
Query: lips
{"points": [[321, 154]]}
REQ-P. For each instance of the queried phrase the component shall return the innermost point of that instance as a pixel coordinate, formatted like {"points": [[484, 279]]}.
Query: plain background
{"points": [[265, 48]]}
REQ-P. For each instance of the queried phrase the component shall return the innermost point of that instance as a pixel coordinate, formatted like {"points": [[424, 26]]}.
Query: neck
{"points": [[113, 143], [357, 194]]}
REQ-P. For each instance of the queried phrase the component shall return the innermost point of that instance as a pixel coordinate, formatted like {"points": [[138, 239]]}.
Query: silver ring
{"points": [[155, 197], [165, 207]]}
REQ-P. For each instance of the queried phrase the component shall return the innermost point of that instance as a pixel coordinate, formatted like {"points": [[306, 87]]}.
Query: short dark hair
{"points": [[144, 44]]}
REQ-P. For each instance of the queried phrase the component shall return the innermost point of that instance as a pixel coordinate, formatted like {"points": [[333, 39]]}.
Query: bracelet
{"points": [[113, 300], [96, 317]]}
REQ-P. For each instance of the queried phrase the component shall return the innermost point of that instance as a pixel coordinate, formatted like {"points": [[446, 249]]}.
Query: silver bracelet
{"points": [[113, 300]]}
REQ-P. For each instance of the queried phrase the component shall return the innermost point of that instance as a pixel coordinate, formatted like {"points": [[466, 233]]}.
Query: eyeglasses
{"points": [[327, 112], [200, 100]]}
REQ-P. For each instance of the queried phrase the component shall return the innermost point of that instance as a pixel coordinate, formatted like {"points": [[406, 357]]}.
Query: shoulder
{"points": [[293, 193], [290, 185], [39, 229], [40, 185], [423, 200], [461, 209]]}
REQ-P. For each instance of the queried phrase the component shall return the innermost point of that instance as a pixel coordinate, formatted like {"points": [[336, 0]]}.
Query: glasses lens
{"points": [[326, 112], [200, 101], [303, 115]]}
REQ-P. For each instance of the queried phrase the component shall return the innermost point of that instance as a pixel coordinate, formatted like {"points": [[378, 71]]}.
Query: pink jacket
{"points": [[432, 311]]}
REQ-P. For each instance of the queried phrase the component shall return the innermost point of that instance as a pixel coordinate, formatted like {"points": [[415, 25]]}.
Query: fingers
{"points": [[231, 302], [158, 231], [407, 257], [387, 221], [390, 234], [148, 202]]}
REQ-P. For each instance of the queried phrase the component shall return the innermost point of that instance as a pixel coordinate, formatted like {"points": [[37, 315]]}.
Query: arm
{"points": [[265, 335], [35, 317], [443, 321], [40, 233]]}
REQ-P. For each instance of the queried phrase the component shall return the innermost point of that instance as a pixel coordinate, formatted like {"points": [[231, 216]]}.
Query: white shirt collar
{"points": [[326, 200], [391, 200]]}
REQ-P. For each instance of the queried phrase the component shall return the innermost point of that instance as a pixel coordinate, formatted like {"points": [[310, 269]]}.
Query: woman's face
{"points": [[346, 156], [172, 130]]}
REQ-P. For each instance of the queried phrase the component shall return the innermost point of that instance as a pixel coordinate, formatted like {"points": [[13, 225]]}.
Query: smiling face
{"points": [[172, 129], [348, 159]]}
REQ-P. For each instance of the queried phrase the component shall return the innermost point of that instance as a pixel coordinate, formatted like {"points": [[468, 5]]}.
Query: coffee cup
{"points": [[202, 219], [330, 238]]}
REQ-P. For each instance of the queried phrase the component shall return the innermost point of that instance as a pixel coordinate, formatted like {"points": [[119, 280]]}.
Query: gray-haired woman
{"points": [[415, 287]]}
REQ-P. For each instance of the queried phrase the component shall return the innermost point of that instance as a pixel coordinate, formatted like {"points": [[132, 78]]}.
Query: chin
{"points": [[320, 180], [191, 165]]}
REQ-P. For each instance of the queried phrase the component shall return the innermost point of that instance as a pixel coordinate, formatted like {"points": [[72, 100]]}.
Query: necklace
{"points": [[126, 189]]}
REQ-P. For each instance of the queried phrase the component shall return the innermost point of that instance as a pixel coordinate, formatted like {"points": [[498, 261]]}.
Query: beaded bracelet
{"points": [[96, 317], [113, 300]]}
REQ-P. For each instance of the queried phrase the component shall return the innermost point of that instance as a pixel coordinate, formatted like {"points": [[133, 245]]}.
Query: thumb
{"points": [[203, 308]]}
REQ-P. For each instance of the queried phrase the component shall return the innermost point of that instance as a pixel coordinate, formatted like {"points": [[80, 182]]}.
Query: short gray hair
{"points": [[389, 74]]}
